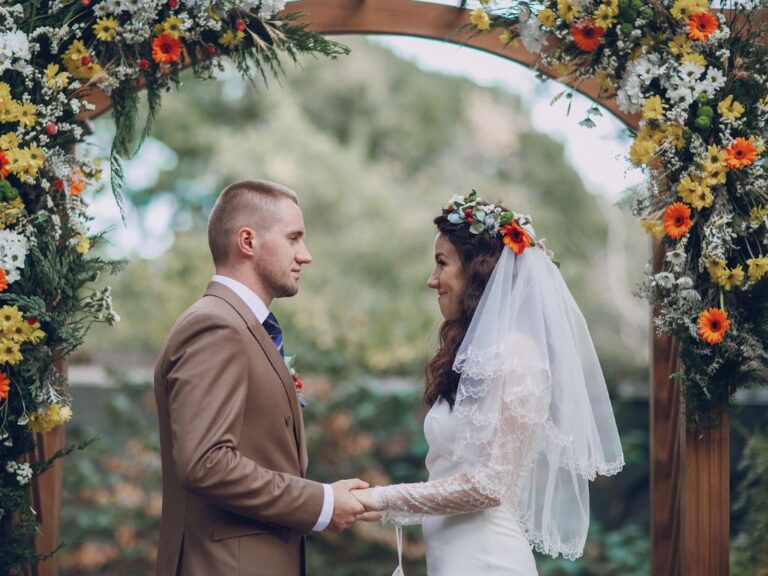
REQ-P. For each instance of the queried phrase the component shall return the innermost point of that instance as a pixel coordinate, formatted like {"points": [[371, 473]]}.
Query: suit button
{"points": [[287, 420]]}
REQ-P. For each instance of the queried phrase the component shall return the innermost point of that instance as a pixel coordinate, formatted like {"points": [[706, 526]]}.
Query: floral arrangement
{"points": [[53, 56], [698, 79], [482, 217], [298, 384]]}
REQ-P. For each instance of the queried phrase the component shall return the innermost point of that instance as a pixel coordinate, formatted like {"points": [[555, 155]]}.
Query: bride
{"points": [[520, 417]]}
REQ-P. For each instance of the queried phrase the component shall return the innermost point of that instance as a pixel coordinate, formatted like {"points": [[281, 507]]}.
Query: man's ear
{"points": [[246, 241]]}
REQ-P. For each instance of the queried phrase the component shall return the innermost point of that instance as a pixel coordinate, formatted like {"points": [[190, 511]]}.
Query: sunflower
{"points": [[515, 237], [5, 385], [701, 26], [677, 220], [586, 35], [713, 324], [741, 153], [166, 49]]}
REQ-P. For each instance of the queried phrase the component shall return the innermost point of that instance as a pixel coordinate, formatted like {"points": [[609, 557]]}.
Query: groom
{"points": [[235, 499]]}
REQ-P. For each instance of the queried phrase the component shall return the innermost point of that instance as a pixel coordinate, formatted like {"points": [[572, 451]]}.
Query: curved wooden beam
{"points": [[431, 21]]}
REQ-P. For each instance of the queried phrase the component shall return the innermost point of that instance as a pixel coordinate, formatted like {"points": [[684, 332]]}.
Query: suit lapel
{"points": [[274, 358]]}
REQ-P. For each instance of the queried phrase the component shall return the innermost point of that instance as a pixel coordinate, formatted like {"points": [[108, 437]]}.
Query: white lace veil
{"points": [[534, 418]]}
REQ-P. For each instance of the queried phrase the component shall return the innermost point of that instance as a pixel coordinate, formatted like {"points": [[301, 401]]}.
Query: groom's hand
{"points": [[346, 508]]}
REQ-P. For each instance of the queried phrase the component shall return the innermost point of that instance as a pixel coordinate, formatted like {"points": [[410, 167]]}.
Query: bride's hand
{"points": [[365, 497]]}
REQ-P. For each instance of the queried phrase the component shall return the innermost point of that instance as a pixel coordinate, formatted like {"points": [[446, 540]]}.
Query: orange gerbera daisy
{"points": [[515, 237], [701, 26], [5, 385], [741, 153], [586, 35], [4, 164], [677, 220], [3, 280], [713, 324], [166, 49]]}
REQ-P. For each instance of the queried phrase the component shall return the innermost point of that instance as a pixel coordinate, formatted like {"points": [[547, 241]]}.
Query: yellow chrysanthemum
{"points": [[9, 317], [48, 416], [684, 9], [613, 5], [480, 19], [567, 10], [695, 192], [694, 58], [9, 141], [10, 352], [644, 148], [653, 228], [758, 267], [231, 39], [730, 109], [547, 18], [35, 333], [604, 17], [25, 162], [56, 80], [729, 278], [27, 116], [105, 29], [18, 333], [172, 27], [10, 212], [506, 38], [79, 61], [714, 166], [653, 109], [716, 268], [9, 112], [83, 244], [672, 134], [679, 45]]}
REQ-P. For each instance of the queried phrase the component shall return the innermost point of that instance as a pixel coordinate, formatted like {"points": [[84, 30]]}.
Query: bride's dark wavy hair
{"points": [[478, 254]]}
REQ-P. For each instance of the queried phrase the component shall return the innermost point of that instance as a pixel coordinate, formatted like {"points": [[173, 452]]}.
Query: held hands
{"points": [[346, 508]]}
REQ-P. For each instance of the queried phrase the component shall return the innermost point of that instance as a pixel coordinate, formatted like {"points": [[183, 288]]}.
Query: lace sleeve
{"points": [[496, 467]]}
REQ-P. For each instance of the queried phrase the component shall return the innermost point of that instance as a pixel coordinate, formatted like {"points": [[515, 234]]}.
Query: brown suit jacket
{"points": [[235, 500]]}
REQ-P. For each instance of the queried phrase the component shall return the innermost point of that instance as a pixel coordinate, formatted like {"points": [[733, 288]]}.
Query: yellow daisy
{"points": [[172, 27], [10, 352], [547, 18], [567, 10], [231, 39], [729, 278], [604, 17], [758, 267], [105, 29], [653, 109], [57, 80], [27, 116], [730, 109], [480, 19]]}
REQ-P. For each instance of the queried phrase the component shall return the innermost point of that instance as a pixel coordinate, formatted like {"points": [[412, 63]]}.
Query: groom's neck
{"points": [[248, 278]]}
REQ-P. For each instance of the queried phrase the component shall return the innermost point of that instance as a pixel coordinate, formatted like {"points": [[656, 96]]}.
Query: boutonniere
{"points": [[297, 383]]}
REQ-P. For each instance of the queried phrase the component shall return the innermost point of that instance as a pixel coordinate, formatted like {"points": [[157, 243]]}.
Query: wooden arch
{"points": [[690, 507]]}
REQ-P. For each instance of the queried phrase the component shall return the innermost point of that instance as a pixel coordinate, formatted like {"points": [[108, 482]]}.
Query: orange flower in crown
{"points": [[515, 237], [5, 386], [482, 217]]}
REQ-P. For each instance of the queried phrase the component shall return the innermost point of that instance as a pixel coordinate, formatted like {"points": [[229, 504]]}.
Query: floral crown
{"points": [[485, 217]]}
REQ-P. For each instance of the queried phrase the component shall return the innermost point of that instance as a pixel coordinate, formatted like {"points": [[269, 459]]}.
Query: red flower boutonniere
{"points": [[297, 383]]}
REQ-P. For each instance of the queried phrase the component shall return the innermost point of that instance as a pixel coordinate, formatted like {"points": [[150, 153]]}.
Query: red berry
{"points": [[240, 25], [51, 128], [468, 212], [85, 60], [58, 184], [210, 49], [143, 63], [470, 219], [32, 320], [85, 3], [172, 4]]}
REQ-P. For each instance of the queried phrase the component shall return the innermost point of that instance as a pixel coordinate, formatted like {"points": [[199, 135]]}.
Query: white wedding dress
{"points": [[466, 532]]}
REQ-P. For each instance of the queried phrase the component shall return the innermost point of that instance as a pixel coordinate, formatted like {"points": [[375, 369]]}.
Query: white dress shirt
{"points": [[261, 312]]}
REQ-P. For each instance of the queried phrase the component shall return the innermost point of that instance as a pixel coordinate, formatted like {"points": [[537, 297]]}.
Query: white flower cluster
{"points": [[13, 253], [23, 472]]}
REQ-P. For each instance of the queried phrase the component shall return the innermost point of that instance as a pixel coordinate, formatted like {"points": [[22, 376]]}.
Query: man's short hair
{"points": [[251, 203]]}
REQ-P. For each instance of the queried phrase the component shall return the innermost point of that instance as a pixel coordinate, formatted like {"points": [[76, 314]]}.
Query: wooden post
{"points": [[46, 491], [690, 499]]}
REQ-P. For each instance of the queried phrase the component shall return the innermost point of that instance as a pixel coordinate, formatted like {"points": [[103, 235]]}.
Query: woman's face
{"points": [[447, 277]]}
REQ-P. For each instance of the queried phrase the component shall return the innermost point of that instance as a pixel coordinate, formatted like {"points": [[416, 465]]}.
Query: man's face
{"points": [[281, 251]]}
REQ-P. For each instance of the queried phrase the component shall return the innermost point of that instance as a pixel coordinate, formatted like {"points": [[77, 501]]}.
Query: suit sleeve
{"points": [[206, 388]]}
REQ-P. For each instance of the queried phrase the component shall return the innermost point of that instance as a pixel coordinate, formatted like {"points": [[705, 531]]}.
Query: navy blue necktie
{"points": [[273, 329]]}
